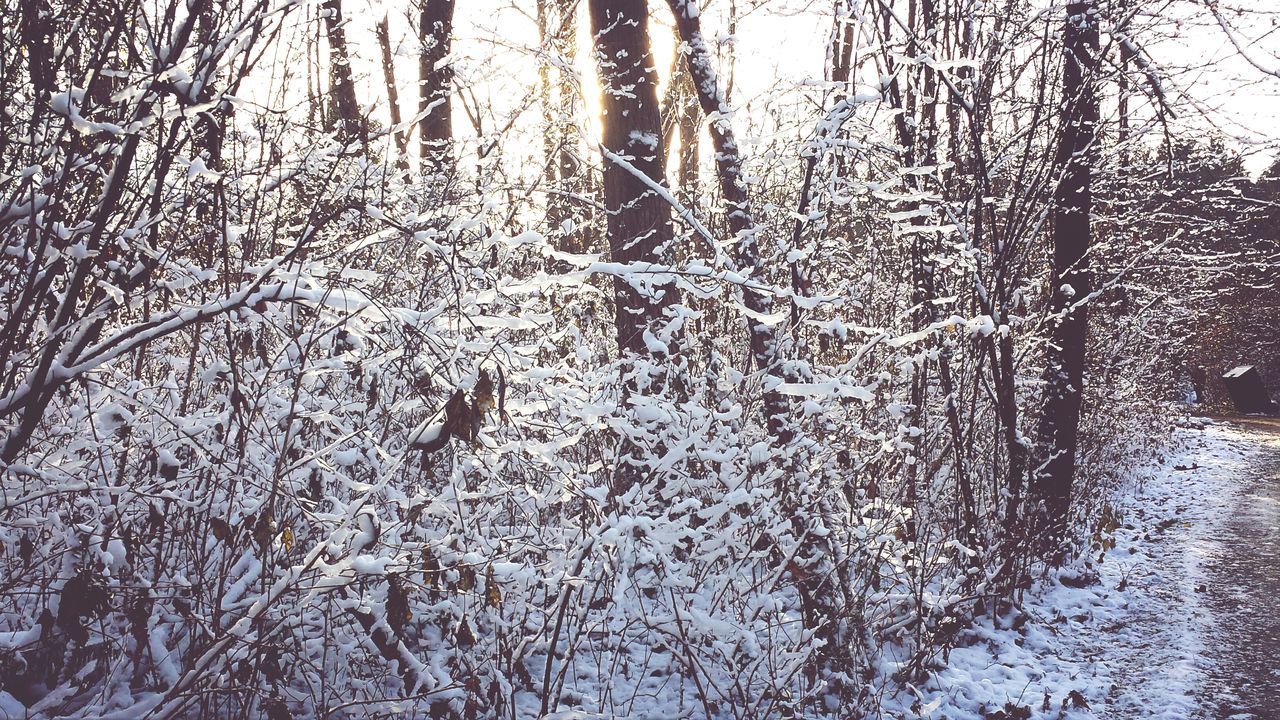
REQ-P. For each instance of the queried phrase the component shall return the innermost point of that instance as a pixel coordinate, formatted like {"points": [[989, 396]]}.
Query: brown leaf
{"points": [[492, 593], [430, 568], [1075, 701], [464, 637], [264, 528], [220, 529], [466, 578], [459, 419], [483, 393], [502, 395], [414, 513], [398, 612], [277, 709]]}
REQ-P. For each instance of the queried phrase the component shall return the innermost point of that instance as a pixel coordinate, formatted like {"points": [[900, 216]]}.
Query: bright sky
{"points": [[780, 44]]}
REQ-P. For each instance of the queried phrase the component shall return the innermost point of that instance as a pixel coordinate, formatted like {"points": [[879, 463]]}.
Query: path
{"points": [[1180, 620], [1198, 637], [1244, 595]]}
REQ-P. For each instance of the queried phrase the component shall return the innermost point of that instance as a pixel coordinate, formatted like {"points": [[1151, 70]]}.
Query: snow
{"points": [[10, 708], [1135, 643], [348, 457]]}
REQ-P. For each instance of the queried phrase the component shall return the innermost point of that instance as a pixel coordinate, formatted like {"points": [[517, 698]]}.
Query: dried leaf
{"points": [[286, 539], [492, 593], [154, 518], [277, 709], [483, 393], [464, 637], [459, 419], [264, 528], [414, 513], [502, 395], [398, 612], [220, 529], [82, 596], [466, 578], [1075, 701]]}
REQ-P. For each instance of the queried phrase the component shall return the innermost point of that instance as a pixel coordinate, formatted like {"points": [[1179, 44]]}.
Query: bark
{"points": [[1123, 94], [639, 219], [346, 119], [383, 31], [680, 116], [839, 60], [1073, 200], [685, 123], [64, 313], [567, 46], [435, 82], [817, 571], [765, 350], [842, 43], [545, 39], [210, 126]]}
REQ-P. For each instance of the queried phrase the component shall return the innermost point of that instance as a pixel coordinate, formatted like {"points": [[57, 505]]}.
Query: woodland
{"points": [[594, 358]]}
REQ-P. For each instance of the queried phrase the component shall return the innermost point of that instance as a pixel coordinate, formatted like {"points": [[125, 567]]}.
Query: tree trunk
{"points": [[818, 576], [1064, 372], [680, 119], [683, 99], [765, 351], [346, 117], [639, 218], [435, 82], [36, 30], [383, 31]]}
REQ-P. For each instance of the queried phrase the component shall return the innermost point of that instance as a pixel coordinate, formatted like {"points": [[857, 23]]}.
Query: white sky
{"points": [[780, 43]]}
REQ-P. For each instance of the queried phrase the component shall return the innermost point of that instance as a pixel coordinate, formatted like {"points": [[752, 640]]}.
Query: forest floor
{"points": [[1180, 619]]}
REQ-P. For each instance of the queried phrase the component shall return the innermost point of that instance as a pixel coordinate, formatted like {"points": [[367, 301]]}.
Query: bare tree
{"points": [[639, 218], [680, 120], [1068, 304], [765, 350], [383, 32], [435, 80], [557, 28], [346, 117]]}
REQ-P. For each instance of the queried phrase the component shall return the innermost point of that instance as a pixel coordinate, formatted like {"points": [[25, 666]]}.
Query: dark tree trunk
{"points": [[765, 352], [1064, 372], [346, 119], [383, 31], [435, 82], [639, 218]]}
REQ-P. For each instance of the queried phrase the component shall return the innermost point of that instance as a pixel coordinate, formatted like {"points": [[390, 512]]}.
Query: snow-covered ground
{"points": [[1142, 641]]}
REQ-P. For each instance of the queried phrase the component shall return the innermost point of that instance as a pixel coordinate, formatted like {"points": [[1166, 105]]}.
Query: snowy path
{"points": [[1183, 620], [1197, 637], [1244, 596]]}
